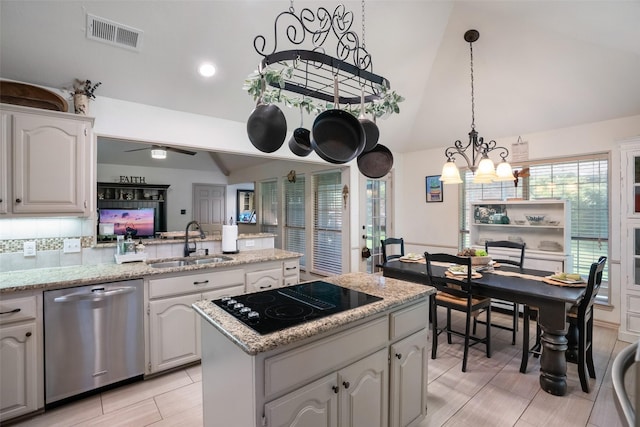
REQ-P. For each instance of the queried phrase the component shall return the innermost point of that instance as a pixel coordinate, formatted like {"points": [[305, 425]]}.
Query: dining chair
{"points": [[580, 319], [456, 294], [510, 307], [392, 248]]}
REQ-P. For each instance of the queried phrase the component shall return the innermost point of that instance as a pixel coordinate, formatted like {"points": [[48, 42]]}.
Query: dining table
{"points": [[523, 286]]}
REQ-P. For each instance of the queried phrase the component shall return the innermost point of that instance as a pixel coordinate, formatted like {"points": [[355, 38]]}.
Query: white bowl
{"points": [[536, 219]]}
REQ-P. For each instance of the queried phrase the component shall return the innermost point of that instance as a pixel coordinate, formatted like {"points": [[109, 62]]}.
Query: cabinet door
{"points": [[5, 136], [49, 165], [174, 332], [409, 380], [265, 279], [364, 392], [18, 368], [314, 405]]}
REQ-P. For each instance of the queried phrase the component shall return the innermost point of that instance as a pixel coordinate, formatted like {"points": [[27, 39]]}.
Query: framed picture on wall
{"points": [[433, 189]]}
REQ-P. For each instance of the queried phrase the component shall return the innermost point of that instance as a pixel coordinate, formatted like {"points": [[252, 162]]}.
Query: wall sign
{"points": [[132, 179], [434, 189]]}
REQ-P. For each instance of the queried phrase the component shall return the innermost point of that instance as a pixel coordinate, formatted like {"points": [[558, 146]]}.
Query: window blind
{"points": [[327, 223], [583, 181], [294, 217], [269, 207]]}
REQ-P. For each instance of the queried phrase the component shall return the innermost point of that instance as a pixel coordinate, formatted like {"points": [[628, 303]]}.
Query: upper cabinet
{"points": [[46, 163], [543, 225]]}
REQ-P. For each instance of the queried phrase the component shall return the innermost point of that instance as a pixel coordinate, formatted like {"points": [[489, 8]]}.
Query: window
{"points": [[269, 208], [583, 181], [327, 223], [294, 217]]}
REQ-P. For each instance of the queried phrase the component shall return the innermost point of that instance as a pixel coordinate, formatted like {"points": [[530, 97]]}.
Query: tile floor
{"points": [[491, 393]]}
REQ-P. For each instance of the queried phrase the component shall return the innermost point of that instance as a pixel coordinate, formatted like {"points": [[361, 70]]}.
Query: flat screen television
{"points": [[137, 222]]}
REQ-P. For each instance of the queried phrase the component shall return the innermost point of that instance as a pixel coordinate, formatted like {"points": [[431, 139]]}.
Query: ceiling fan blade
{"points": [[181, 151], [138, 149]]}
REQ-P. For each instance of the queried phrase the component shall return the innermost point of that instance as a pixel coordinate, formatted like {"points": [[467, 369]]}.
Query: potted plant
{"points": [[83, 91]]}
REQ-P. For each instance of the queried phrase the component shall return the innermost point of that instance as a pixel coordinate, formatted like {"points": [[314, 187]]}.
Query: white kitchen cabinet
{"points": [[4, 161], [409, 380], [173, 326], [630, 240], [22, 386], [291, 272], [548, 240], [264, 276], [52, 165], [354, 396]]}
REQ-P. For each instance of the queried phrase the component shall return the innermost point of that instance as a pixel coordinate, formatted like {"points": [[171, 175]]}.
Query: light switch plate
{"points": [[249, 243], [71, 246], [29, 248]]}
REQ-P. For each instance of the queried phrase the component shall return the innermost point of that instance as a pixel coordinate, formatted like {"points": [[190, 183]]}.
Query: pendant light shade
{"points": [[504, 172], [450, 173]]}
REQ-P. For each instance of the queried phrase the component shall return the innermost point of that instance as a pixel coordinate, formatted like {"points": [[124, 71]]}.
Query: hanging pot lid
{"points": [[375, 163]]}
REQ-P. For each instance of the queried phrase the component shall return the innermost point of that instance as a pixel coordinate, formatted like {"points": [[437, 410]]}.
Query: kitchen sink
{"points": [[211, 260], [168, 264], [184, 262]]}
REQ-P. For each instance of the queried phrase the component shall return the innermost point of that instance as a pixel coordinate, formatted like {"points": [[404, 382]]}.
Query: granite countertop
{"points": [[394, 293], [64, 277]]}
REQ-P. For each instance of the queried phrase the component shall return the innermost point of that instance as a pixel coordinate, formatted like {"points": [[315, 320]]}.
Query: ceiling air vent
{"points": [[110, 32]]}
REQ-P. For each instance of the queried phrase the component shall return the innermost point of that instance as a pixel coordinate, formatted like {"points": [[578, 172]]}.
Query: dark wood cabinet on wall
{"points": [[135, 196]]}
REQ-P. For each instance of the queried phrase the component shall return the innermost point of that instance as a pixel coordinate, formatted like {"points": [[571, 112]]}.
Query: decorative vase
{"points": [[81, 104]]}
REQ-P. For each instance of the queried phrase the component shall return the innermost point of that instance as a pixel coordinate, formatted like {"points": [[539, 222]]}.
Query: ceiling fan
{"points": [[160, 152]]}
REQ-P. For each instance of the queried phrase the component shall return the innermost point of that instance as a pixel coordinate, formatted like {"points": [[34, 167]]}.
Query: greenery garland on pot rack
{"points": [[383, 107]]}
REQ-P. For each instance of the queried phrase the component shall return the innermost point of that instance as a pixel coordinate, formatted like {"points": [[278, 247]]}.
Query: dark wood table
{"points": [[552, 302]]}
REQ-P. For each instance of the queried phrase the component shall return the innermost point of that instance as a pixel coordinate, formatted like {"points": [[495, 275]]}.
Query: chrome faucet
{"points": [[188, 250]]}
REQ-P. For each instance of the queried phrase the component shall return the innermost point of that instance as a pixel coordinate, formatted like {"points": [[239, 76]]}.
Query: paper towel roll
{"points": [[229, 239]]}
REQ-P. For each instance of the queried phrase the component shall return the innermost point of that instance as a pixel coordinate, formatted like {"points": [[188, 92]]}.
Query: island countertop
{"points": [[394, 293], [64, 277]]}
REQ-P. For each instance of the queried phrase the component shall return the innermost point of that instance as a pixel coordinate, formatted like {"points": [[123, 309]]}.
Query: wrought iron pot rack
{"points": [[314, 70]]}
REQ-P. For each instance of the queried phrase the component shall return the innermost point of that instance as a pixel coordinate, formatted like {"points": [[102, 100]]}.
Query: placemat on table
{"points": [[550, 281], [474, 275]]}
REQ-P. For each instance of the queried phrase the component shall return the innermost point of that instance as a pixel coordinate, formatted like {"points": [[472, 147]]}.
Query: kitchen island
{"points": [[364, 366]]}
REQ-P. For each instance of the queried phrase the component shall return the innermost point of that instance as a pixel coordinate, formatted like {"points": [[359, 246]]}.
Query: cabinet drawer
{"points": [[17, 309], [298, 366], [290, 268], [265, 279], [194, 283], [408, 320]]}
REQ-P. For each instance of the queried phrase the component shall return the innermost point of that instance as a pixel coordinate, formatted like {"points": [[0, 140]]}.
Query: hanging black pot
{"points": [[267, 126], [338, 137], [300, 142], [375, 163]]}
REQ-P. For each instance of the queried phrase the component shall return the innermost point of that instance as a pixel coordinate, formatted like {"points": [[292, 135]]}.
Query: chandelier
{"points": [[484, 171]]}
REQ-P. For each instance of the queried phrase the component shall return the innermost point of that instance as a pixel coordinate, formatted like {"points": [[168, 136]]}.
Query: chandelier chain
{"points": [[473, 100], [363, 43]]}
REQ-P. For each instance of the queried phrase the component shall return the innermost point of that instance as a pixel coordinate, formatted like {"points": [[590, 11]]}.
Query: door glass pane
{"points": [[376, 221], [636, 187], [636, 249]]}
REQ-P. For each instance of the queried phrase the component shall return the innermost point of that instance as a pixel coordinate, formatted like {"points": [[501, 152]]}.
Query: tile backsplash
{"points": [[49, 235]]}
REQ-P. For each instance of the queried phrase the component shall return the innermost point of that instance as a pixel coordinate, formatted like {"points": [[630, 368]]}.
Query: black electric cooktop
{"points": [[277, 309]]}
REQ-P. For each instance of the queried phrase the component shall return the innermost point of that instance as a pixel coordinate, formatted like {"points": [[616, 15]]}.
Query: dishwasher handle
{"points": [[95, 294]]}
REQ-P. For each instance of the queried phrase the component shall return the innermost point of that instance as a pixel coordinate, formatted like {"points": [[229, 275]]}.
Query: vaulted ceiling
{"points": [[538, 65]]}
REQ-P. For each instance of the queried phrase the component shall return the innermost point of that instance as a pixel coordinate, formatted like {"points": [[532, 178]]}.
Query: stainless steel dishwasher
{"points": [[93, 337]]}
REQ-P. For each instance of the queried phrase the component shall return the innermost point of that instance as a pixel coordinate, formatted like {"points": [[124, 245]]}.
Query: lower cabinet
{"points": [[173, 325], [354, 396], [174, 331], [409, 380], [21, 388]]}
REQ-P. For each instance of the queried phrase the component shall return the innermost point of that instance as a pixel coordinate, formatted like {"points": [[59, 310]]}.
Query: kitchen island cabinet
{"points": [[351, 368]]}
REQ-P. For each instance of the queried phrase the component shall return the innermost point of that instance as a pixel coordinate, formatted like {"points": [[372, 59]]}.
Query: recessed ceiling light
{"points": [[207, 70]]}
